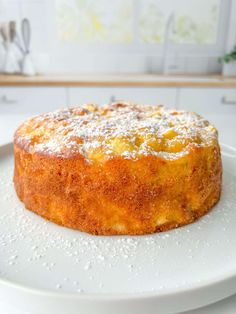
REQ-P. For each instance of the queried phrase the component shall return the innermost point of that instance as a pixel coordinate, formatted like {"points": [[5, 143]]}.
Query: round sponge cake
{"points": [[118, 169]]}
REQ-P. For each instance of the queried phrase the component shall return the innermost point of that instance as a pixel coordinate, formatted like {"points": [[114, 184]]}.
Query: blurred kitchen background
{"points": [[58, 53]]}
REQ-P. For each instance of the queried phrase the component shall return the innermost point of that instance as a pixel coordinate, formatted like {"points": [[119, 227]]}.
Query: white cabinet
{"points": [[104, 95], [208, 101], [218, 105], [19, 103], [31, 100]]}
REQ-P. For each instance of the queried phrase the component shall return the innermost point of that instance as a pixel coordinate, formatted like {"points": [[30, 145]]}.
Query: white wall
{"points": [[74, 58]]}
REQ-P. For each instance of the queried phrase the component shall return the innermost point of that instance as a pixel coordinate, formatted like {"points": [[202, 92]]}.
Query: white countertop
{"points": [[8, 125], [227, 306]]}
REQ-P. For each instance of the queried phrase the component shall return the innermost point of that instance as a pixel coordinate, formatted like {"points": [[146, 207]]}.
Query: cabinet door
{"points": [[217, 105], [31, 100], [19, 103], [104, 95]]}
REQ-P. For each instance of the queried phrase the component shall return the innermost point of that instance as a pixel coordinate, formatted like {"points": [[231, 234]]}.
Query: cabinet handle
{"points": [[4, 100], [226, 100]]}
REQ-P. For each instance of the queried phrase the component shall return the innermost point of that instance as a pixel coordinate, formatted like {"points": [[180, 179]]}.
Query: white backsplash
{"points": [[44, 37]]}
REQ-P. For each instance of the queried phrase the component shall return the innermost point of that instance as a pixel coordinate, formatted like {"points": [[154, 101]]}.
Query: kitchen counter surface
{"points": [[226, 306], [128, 80]]}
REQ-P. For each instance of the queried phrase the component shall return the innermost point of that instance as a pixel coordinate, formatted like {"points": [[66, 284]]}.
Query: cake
{"points": [[118, 169]]}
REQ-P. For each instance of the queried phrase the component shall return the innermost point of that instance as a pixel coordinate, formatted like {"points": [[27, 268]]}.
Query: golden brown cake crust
{"points": [[116, 193]]}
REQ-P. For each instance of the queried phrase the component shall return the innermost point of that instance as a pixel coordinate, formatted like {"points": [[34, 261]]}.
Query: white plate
{"points": [[45, 267]]}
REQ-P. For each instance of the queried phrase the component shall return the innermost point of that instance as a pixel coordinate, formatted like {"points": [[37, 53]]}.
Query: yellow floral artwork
{"points": [[195, 21], [142, 21], [100, 21]]}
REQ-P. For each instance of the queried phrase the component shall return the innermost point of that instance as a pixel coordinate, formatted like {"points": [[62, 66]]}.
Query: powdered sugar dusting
{"points": [[120, 129]]}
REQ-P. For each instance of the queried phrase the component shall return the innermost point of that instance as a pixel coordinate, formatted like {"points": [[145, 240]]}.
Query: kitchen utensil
{"points": [[4, 34], [12, 30], [14, 37], [27, 64], [45, 267], [26, 34], [11, 64], [2, 48], [17, 42], [2, 57]]}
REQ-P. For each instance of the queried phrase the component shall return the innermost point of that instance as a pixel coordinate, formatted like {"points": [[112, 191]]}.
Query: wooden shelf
{"points": [[128, 80]]}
